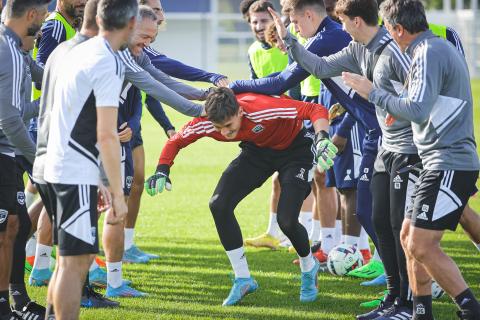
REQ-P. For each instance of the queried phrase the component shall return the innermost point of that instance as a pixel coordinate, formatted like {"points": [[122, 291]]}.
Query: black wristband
{"points": [[163, 168], [322, 134]]}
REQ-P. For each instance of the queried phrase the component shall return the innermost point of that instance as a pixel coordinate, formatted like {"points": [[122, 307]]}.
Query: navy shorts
{"points": [[127, 168], [346, 166], [136, 139]]}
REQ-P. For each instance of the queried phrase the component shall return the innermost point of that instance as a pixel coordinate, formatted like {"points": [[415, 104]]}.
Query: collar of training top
{"points": [[375, 42], [7, 31], [419, 39]]}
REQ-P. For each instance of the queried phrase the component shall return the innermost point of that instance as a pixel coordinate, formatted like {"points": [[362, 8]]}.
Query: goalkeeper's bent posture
{"points": [[273, 139]]}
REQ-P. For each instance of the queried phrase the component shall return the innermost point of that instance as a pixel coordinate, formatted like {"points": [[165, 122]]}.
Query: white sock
{"points": [[93, 266], [114, 274], [306, 219], [307, 263], [376, 256], [29, 198], [31, 246], [129, 234], [351, 240], [273, 227], [314, 234], [363, 243], [338, 231], [42, 256], [343, 239], [328, 239], [239, 262]]}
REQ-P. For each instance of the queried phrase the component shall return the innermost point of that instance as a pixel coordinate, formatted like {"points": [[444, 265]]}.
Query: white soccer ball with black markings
{"points": [[343, 259]]}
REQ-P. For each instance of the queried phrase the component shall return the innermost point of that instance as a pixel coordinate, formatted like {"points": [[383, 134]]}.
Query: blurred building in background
{"points": [[211, 34]]}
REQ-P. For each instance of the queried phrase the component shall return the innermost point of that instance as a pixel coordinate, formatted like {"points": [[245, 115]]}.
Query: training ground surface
{"points": [[191, 279]]}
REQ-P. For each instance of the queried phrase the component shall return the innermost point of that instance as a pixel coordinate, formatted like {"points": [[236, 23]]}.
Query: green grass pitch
{"points": [[191, 279]]}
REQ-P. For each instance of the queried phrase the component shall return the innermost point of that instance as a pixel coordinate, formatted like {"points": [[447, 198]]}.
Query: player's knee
{"points": [[218, 206], [319, 178], [404, 236], [418, 249], [287, 223]]}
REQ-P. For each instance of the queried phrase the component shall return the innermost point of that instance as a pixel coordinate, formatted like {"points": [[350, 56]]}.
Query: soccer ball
{"points": [[343, 259], [437, 291]]}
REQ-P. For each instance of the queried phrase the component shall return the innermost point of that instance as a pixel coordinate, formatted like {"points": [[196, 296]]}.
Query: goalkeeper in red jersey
{"points": [[272, 139]]}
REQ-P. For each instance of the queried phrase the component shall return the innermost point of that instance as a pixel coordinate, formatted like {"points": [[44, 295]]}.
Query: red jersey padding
{"points": [[268, 122]]}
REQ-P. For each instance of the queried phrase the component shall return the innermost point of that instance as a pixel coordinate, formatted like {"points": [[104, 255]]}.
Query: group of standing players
{"points": [[394, 154]]}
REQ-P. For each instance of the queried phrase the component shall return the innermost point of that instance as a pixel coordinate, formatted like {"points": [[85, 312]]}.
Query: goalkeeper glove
{"points": [[159, 181], [326, 151]]}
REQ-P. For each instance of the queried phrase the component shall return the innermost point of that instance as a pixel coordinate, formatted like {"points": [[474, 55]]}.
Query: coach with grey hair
{"points": [[437, 100]]}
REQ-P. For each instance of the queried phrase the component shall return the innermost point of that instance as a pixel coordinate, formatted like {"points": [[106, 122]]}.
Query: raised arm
{"points": [[177, 69]]}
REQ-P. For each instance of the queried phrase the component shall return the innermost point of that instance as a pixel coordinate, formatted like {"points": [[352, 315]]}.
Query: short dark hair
{"points": [[115, 14], [245, 6], [90, 15], [17, 8], [365, 9], [260, 6], [300, 5], [221, 105], [143, 2], [410, 14]]}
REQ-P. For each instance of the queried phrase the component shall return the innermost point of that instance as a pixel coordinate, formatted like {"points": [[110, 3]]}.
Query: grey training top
{"points": [[389, 74], [142, 74], [13, 132], [46, 102], [439, 104]]}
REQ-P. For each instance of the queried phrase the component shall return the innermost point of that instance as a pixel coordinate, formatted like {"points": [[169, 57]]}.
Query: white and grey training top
{"points": [[389, 74], [92, 77], [438, 101], [13, 133], [46, 102]]}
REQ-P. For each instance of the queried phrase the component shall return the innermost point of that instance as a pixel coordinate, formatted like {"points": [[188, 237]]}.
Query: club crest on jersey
{"points": [[258, 128], [3, 215], [301, 174]]}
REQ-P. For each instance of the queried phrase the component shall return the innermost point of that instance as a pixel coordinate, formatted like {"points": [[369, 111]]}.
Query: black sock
{"points": [[422, 308], [50, 313], [4, 303], [466, 302], [19, 295], [389, 298]]}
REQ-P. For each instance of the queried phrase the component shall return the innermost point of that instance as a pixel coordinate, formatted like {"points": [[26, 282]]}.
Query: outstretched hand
{"points": [[281, 29]]}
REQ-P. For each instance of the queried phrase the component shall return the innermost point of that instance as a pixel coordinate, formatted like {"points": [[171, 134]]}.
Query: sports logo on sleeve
{"points": [[258, 128]]}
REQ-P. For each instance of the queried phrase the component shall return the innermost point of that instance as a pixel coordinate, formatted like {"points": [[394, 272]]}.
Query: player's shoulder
{"points": [[152, 53], [53, 29], [97, 54]]}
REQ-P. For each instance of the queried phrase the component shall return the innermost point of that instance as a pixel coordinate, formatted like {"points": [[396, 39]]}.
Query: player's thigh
{"points": [[243, 175], [138, 155]]}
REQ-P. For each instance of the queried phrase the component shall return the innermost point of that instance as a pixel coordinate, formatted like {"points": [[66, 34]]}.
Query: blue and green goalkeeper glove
{"points": [[159, 181], [326, 151]]}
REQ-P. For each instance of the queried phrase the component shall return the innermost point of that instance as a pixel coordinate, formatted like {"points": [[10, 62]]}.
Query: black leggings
{"points": [[389, 210], [248, 172]]}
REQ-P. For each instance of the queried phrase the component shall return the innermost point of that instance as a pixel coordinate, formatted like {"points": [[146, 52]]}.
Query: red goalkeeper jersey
{"points": [[268, 122]]}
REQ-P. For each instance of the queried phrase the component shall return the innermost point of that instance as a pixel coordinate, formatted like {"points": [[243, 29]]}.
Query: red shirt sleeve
{"points": [[304, 110], [191, 132]]}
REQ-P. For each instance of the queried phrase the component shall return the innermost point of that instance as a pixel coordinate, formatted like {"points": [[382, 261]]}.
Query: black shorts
{"points": [[295, 164], [402, 181], [20, 195], [8, 189], [50, 203], [440, 197], [75, 218]]}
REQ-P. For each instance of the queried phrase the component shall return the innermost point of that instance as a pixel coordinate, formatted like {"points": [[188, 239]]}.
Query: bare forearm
{"points": [[320, 124]]}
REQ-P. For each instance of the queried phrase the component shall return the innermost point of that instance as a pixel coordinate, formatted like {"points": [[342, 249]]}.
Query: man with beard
{"points": [[22, 19]]}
